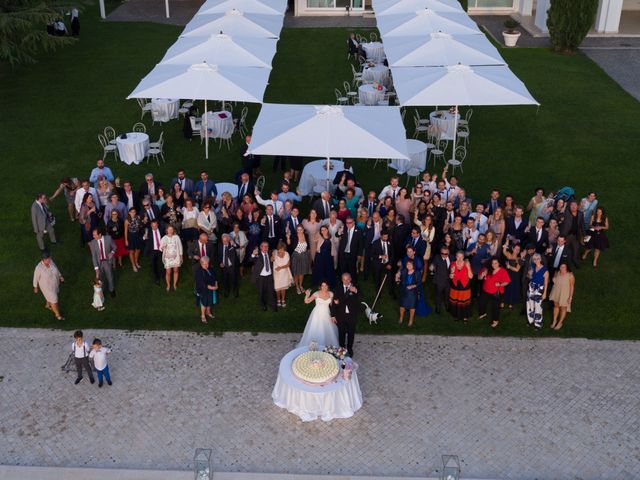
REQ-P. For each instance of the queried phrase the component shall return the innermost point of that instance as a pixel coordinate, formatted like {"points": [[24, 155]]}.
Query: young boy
{"points": [[99, 355], [80, 350]]}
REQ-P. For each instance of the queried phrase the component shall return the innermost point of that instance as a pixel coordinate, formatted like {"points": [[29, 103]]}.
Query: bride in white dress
{"points": [[319, 327]]}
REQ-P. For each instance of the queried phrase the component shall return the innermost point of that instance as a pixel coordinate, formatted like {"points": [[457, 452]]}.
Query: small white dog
{"points": [[371, 315]]}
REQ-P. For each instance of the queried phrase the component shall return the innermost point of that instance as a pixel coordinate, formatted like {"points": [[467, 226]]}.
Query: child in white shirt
{"points": [[98, 295], [99, 355]]}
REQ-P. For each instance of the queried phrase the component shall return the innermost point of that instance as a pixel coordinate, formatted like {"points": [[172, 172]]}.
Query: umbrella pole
{"points": [[206, 131], [328, 165], [455, 132]]}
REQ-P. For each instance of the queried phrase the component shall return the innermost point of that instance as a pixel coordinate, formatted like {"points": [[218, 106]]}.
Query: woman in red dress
{"points": [[460, 290], [494, 279]]}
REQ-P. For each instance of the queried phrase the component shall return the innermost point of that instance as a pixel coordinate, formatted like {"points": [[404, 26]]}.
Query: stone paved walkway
{"points": [[510, 408]]}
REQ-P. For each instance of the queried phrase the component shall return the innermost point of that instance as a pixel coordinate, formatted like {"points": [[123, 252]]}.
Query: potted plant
{"points": [[511, 34]]}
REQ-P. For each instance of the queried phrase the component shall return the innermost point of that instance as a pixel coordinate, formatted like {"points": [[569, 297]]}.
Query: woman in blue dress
{"points": [[422, 309], [323, 264], [205, 289], [537, 292], [409, 283]]}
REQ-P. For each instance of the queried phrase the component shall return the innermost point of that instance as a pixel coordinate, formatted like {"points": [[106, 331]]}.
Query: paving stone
{"points": [[509, 408]]}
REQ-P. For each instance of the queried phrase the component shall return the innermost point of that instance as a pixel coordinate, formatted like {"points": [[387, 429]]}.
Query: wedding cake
{"points": [[315, 367]]}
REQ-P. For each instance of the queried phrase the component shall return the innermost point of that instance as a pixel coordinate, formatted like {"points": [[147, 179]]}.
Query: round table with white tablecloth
{"points": [[445, 122], [339, 399], [377, 73], [164, 109], [315, 173], [222, 187], [417, 152], [134, 148], [374, 51], [219, 124], [368, 94]]}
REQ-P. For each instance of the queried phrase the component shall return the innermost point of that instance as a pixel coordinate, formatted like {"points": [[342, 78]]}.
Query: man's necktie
{"points": [[266, 263]]}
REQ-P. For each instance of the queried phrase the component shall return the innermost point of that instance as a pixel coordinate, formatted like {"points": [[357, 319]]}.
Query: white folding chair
{"points": [[421, 121], [373, 37], [463, 134], [437, 152], [139, 127], [156, 152], [465, 121], [357, 76], [145, 107], [159, 143], [195, 126], [413, 172], [242, 123], [347, 89], [459, 154], [419, 129], [106, 148], [340, 98], [110, 135]]}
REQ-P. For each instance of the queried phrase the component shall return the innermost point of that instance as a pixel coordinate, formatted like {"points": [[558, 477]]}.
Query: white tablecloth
{"points": [[374, 51], [446, 123], [368, 95], [232, 188], [377, 73], [219, 124], [336, 400], [417, 151], [315, 173], [134, 148], [166, 108]]}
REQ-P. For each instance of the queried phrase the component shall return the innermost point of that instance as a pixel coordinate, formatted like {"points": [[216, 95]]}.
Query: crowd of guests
{"points": [[496, 252]]}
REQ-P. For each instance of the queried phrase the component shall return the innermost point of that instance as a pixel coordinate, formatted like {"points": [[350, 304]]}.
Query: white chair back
{"points": [[109, 133], [102, 140], [139, 127]]}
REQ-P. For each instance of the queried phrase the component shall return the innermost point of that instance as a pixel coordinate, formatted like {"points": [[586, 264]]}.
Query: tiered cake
{"points": [[315, 367]]}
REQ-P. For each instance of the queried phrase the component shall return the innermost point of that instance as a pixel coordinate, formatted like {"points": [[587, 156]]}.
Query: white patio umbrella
{"points": [[223, 50], [202, 81], [235, 23], [460, 85], [439, 49], [266, 7], [426, 21], [329, 131], [391, 7]]}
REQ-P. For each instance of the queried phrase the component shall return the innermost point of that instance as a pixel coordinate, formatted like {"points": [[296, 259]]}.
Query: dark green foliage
{"points": [[569, 22]]}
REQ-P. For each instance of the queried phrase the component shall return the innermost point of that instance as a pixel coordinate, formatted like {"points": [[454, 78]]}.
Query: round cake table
{"points": [[134, 148], [374, 51], [165, 108], [446, 123], [335, 400], [369, 95]]}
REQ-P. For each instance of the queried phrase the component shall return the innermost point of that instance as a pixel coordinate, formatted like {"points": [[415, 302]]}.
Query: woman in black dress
{"points": [[115, 229], [514, 265], [171, 214], [323, 264], [88, 218], [133, 231], [599, 241], [298, 244]]}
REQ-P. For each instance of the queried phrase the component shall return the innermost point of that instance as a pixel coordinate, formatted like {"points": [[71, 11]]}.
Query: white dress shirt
{"points": [[100, 357]]}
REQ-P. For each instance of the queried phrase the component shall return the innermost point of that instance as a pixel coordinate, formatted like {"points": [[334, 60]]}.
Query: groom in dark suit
{"points": [[344, 311]]}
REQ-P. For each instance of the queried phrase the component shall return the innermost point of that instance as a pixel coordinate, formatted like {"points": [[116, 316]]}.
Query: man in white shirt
{"points": [[99, 356], [278, 206], [82, 191], [262, 277], [480, 219], [392, 190]]}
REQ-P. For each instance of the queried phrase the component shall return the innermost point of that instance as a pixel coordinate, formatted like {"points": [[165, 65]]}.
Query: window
{"points": [[490, 3]]}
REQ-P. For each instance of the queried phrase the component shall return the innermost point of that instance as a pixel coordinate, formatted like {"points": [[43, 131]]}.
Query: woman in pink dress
{"points": [[312, 228]]}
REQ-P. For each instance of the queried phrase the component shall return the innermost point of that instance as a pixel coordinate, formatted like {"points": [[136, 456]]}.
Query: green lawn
{"points": [[584, 135]]}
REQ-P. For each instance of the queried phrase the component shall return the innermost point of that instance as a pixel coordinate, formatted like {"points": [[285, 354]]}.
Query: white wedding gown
{"points": [[319, 327]]}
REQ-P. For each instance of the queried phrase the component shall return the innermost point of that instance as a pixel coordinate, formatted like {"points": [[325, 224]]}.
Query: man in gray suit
{"points": [[102, 249], [41, 219]]}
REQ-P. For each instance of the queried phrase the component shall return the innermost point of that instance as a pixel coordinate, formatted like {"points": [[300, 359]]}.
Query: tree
{"points": [[569, 22], [23, 31]]}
